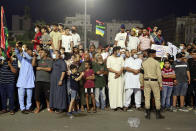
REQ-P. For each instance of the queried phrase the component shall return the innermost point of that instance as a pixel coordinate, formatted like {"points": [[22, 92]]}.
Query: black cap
{"points": [[179, 55], [151, 51]]}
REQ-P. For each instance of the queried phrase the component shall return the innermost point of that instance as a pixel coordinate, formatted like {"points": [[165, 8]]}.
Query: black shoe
{"points": [[158, 115], [29, 111], [12, 112], [147, 115], [24, 112]]}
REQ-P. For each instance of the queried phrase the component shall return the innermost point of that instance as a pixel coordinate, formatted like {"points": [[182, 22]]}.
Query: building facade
{"points": [[78, 21], [177, 29]]}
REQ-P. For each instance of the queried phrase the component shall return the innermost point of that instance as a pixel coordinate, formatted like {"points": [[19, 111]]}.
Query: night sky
{"points": [[53, 11]]}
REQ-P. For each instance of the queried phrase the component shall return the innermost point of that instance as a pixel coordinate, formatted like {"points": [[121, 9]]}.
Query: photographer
{"points": [[8, 72]]}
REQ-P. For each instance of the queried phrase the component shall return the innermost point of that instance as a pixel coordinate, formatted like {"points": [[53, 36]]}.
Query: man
{"points": [[43, 69], [192, 88], [37, 37], [75, 36], [56, 38], [115, 65], [8, 71], [45, 39], [26, 79], [133, 41], [121, 37], [132, 83], [67, 41], [151, 80], [182, 79], [145, 40]]}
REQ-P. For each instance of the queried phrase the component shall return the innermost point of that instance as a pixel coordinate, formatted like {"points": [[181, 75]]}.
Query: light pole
{"points": [[85, 32]]}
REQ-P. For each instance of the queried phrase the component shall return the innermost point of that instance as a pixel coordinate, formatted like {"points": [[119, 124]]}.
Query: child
{"points": [[74, 78], [89, 85], [168, 75]]}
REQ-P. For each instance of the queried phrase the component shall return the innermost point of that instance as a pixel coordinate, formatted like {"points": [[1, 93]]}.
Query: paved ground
{"points": [[101, 121]]}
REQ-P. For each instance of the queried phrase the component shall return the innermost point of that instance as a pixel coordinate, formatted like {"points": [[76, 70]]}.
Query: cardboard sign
{"points": [[161, 51]]}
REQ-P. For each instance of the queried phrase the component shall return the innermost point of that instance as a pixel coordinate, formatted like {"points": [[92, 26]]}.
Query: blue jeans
{"points": [[100, 93], [7, 91], [21, 95], [166, 95]]}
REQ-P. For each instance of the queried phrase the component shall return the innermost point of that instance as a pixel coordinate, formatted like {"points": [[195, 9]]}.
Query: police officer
{"points": [[151, 80]]}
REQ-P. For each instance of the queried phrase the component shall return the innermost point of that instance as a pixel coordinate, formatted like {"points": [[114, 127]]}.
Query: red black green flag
{"points": [[4, 34]]}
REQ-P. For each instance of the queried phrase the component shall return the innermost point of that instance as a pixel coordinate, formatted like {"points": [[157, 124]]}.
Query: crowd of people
{"points": [[59, 74]]}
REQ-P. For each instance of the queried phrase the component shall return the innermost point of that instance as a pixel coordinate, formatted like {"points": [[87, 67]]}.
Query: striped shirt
{"points": [[168, 81], [6, 75]]}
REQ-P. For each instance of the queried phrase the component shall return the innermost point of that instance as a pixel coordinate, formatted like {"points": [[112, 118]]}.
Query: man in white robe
{"points": [[132, 84]]}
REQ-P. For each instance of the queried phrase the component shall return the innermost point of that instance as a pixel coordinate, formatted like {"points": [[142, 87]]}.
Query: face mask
{"points": [[54, 56], [123, 55], [178, 60], [36, 30], [135, 56], [73, 31], [63, 56], [181, 47], [118, 54]]}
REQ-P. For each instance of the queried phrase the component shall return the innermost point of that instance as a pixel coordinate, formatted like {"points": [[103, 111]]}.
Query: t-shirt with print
{"points": [[89, 83], [73, 82], [66, 42], [121, 38], [42, 75], [181, 69]]}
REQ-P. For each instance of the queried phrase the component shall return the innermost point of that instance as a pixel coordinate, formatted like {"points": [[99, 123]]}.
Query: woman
{"points": [[58, 97]]}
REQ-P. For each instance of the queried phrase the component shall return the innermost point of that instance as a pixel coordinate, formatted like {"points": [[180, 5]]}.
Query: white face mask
{"points": [[181, 47], [54, 56], [123, 55], [135, 56], [63, 56], [36, 30]]}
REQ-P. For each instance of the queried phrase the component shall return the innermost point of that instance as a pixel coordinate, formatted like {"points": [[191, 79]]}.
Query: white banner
{"points": [[161, 51]]}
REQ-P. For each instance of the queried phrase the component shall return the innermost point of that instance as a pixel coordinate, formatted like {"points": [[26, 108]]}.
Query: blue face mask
{"points": [[123, 55], [118, 54]]}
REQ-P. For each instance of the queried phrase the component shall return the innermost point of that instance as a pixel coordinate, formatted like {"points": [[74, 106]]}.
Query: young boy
{"points": [[89, 85], [74, 78], [182, 79], [168, 75]]}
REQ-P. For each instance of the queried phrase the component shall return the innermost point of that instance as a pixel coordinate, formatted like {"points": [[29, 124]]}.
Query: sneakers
{"points": [[173, 109], [183, 109], [69, 113]]}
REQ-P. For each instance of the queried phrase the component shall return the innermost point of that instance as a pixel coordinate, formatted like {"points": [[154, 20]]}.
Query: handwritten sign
{"points": [[161, 51]]}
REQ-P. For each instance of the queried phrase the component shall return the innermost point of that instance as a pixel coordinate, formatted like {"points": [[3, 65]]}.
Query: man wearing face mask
{"points": [[75, 36], [37, 37], [26, 79], [115, 66], [132, 83]]}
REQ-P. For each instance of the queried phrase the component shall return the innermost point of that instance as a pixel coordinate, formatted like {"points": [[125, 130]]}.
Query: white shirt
{"points": [[66, 42], [133, 43], [76, 39], [121, 38], [131, 80]]}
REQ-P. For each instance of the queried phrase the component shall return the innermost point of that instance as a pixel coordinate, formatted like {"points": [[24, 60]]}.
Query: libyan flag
{"points": [[4, 35]]}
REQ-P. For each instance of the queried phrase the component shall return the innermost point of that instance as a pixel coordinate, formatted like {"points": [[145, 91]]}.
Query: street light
{"points": [[85, 32]]}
